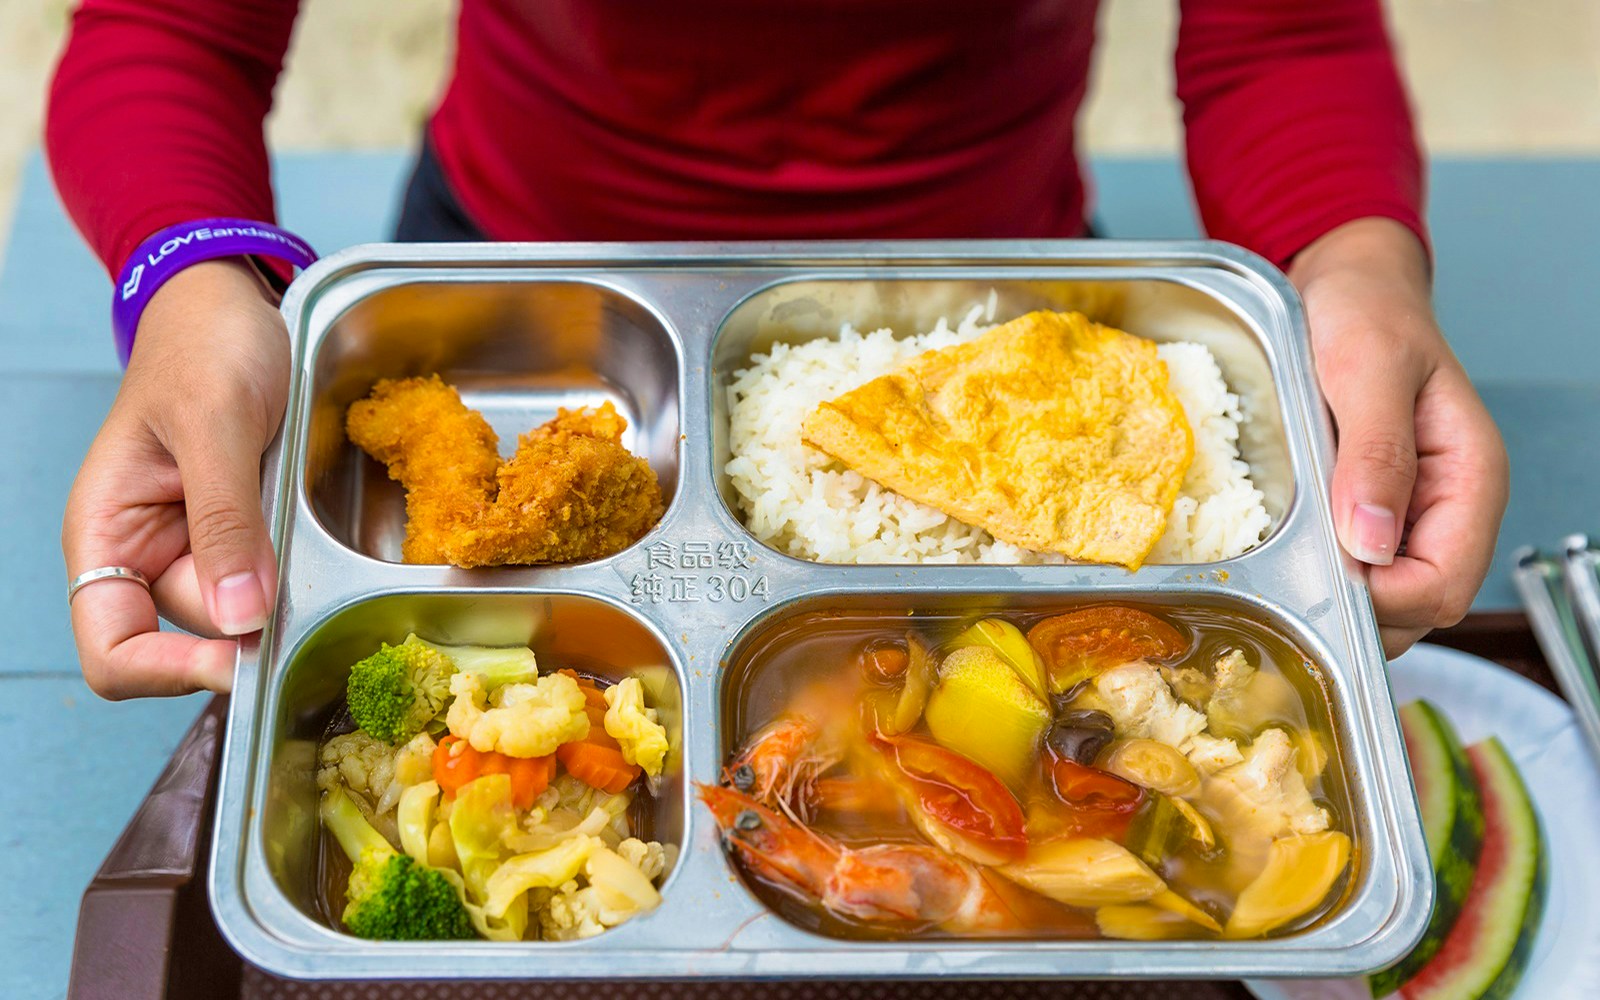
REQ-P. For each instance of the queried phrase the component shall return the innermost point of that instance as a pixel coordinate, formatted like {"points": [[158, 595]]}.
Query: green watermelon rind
{"points": [[1500, 954], [1439, 761]]}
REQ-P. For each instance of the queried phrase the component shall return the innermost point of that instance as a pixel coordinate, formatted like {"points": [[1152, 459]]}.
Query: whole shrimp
{"points": [[884, 883], [772, 792], [781, 763]]}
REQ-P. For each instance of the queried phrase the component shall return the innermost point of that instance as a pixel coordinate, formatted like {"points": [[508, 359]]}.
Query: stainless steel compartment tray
{"points": [[699, 579]]}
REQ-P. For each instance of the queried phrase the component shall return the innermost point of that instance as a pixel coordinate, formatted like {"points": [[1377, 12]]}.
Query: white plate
{"points": [[1483, 699]]}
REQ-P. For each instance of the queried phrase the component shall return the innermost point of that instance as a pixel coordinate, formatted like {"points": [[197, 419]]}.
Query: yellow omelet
{"points": [[1051, 432]]}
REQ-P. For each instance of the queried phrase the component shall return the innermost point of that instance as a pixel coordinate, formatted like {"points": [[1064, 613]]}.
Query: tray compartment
{"points": [[835, 626], [1160, 308], [562, 629], [517, 351]]}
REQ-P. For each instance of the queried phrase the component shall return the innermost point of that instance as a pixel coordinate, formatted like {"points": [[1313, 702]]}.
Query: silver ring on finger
{"points": [[99, 574]]}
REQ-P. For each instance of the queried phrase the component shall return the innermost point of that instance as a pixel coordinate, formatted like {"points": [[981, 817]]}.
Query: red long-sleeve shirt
{"points": [[758, 119]]}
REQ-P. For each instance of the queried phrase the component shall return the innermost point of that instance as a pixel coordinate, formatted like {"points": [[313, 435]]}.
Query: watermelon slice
{"points": [[1452, 822], [1483, 956]]}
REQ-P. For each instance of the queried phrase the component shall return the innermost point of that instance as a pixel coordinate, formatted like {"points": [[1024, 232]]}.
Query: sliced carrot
{"points": [[454, 769], [597, 730], [530, 776], [592, 695], [597, 766]]}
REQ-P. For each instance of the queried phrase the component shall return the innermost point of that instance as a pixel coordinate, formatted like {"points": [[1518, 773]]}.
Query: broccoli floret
{"points": [[391, 897], [394, 693], [494, 665]]}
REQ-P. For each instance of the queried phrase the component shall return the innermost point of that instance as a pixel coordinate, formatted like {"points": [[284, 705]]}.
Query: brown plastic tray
{"points": [[145, 930]]}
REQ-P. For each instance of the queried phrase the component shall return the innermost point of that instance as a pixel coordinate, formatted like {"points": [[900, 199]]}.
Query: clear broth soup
{"points": [[815, 665]]}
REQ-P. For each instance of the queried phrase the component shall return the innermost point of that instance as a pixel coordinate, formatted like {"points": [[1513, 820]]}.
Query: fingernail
{"points": [[241, 604], [1372, 534]]}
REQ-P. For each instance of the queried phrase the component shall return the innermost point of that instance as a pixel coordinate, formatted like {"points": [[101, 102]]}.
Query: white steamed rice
{"points": [[800, 501]]}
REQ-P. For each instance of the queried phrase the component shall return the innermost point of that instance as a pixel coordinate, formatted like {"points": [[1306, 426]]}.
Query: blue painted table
{"points": [[1516, 258]]}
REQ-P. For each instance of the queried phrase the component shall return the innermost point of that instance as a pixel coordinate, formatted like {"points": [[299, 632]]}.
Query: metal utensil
{"points": [[1548, 586], [1583, 586]]}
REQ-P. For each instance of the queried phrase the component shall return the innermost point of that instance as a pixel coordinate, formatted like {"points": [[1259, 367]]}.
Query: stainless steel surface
{"points": [[1583, 586], [1547, 596], [658, 328]]}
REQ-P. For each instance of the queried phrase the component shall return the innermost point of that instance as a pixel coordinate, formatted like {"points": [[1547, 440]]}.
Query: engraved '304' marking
{"points": [[676, 573]]}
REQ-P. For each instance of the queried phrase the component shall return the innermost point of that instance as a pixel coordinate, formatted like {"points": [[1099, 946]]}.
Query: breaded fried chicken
{"points": [[442, 452], [571, 492]]}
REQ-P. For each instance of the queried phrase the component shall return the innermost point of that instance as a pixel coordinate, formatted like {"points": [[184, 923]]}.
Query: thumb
{"points": [[1376, 465], [220, 468]]}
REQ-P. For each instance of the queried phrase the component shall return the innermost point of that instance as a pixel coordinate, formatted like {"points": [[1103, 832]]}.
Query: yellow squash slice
{"points": [[1085, 871], [1300, 871]]}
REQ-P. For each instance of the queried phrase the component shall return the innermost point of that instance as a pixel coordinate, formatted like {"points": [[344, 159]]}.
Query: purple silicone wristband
{"points": [[172, 249]]}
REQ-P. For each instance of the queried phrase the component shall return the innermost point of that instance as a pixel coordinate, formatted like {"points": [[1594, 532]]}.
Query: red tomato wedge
{"points": [[960, 805], [1091, 788], [1080, 644], [1092, 802]]}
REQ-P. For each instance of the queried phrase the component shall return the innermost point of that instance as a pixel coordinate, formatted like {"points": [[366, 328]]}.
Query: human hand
{"points": [[1421, 478], [172, 487]]}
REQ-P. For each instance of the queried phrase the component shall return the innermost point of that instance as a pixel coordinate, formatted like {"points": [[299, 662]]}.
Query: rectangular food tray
{"points": [[658, 329]]}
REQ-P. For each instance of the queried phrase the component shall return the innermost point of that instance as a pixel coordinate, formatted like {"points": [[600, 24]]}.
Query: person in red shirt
{"points": [[742, 119]]}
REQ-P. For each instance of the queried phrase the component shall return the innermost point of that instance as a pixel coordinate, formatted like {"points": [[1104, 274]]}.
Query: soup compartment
{"points": [[775, 668], [658, 329]]}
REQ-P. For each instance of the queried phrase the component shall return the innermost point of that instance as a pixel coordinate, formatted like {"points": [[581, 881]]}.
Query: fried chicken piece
{"points": [[571, 492], [443, 453]]}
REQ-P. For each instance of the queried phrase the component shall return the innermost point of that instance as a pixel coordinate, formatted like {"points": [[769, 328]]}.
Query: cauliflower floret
{"points": [[414, 763], [630, 723], [570, 913], [617, 891], [650, 858], [363, 765], [522, 720]]}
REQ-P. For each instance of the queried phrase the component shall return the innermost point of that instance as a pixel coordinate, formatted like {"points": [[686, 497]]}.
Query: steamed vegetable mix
{"points": [[1020, 775], [518, 822]]}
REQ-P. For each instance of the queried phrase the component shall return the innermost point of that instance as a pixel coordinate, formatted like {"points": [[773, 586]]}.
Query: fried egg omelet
{"points": [[1050, 432]]}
